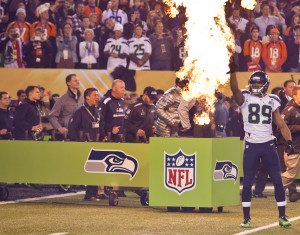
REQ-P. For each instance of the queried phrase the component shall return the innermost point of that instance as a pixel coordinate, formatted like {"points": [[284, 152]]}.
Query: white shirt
{"points": [[257, 116], [241, 22], [139, 47], [118, 16], [89, 56], [263, 23], [118, 46]]}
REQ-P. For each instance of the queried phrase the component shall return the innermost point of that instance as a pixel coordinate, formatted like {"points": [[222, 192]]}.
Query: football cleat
{"points": [[283, 222], [246, 223]]}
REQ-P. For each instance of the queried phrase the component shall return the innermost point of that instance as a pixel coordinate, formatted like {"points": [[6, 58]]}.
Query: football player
{"points": [[258, 110]]}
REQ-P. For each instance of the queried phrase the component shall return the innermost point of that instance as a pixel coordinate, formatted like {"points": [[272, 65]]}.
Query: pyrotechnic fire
{"points": [[209, 44]]}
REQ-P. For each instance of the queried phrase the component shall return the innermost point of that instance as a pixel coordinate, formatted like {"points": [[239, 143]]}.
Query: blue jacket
{"points": [[82, 120], [112, 115]]}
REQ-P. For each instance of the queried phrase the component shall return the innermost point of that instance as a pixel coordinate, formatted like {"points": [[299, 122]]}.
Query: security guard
{"points": [[139, 117]]}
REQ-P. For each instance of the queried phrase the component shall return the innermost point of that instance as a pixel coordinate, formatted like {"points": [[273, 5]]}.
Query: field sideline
{"points": [[72, 215]]}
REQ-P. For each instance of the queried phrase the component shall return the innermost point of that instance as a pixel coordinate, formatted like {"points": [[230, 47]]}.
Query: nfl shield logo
{"points": [[180, 172]]}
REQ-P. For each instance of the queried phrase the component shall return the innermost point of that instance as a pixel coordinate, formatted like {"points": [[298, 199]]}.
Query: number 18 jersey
{"points": [[257, 116]]}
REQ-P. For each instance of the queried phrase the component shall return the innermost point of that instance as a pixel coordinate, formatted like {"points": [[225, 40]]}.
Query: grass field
{"points": [[72, 215]]}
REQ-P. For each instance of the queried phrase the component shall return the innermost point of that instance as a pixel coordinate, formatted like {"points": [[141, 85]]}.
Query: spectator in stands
{"points": [[292, 119], [139, 50], [252, 52], [284, 7], [49, 29], [89, 51], [91, 8], [116, 49], [113, 12], [293, 47], [6, 117], [77, 17], [158, 8], [3, 16], [290, 30], [266, 19], [12, 48], [113, 113], [38, 51], [27, 117], [238, 21], [267, 37], [61, 14], [162, 48], [139, 5], [139, 117], [66, 104], [21, 96], [274, 53], [22, 27], [66, 48], [106, 32]]}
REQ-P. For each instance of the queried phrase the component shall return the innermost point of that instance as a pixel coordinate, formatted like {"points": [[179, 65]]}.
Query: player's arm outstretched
{"points": [[237, 94], [285, 131]]}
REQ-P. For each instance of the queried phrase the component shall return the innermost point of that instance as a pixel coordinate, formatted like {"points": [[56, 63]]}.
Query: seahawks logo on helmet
{"points": [[259, 77], [112, 162], [225, 170]]}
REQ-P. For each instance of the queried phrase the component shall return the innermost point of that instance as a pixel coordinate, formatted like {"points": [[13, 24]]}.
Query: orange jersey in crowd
{"points": [[274, 54], [23, 29], [49, 29], [88, 10], [253, 49]]}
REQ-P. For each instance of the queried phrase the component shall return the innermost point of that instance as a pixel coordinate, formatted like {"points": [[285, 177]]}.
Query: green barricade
{"points": [[192, 172], [77, 163]]}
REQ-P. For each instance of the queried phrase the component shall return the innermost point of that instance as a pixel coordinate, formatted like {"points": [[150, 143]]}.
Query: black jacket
{"points": [[46, 55], [112, 115], [82, 120], [6, 121], [139, 116], [27, 116], [291, 116]]}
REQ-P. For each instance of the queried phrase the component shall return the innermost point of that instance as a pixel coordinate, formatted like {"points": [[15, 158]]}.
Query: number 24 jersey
{"points": [[257, 116]]}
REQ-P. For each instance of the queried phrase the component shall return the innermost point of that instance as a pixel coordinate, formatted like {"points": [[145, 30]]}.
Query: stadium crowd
{"points": [[138, 35]]}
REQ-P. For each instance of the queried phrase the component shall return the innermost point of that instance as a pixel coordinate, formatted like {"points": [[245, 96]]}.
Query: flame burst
{"points": [[209, 44]]}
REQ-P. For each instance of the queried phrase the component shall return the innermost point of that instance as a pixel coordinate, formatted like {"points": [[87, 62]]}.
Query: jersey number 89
{"points": [[254, 113]]}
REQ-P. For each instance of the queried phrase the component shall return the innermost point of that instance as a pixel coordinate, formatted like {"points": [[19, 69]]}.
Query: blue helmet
{"points": [[262, 78]]}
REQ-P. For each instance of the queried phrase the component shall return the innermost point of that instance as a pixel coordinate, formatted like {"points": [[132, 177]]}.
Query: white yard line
{"points": [[265, 227], [58, 233], [41, 198]]}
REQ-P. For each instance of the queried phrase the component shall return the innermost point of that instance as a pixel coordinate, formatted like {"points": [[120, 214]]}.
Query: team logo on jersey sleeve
{"points": [[180, 172], [225, 170], [112, 162]]}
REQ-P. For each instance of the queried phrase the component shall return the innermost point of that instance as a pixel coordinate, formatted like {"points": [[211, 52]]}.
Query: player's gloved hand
{"points": [[232, 66], [289, 149]]}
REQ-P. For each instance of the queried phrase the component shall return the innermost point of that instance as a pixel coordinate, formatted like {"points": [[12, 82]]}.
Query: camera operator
{"points": [[12, 48], [38, 51]]}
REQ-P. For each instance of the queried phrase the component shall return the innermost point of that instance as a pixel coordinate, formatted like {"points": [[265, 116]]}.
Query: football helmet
{"points": [[262, 78]]}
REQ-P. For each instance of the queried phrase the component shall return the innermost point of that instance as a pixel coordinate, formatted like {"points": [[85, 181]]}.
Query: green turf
{"points": [[75, 216]]}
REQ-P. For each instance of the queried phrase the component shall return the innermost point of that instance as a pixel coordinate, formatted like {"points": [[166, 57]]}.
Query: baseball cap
{"points": [[150, 92], [275, 30], [119, 27]]}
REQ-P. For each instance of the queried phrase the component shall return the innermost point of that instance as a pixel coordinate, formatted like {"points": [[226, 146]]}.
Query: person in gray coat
{"points": [[66, 56], [66, 105]]}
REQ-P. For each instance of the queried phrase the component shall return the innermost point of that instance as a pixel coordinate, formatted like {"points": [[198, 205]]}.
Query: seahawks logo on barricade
{"points": [[180, 172], [112, 162], [225, 170]]}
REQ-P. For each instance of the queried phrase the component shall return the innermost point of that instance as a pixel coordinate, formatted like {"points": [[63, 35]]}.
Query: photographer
{"points": [[162, 48], [293, 51], [38, 51], [12, 47]]}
